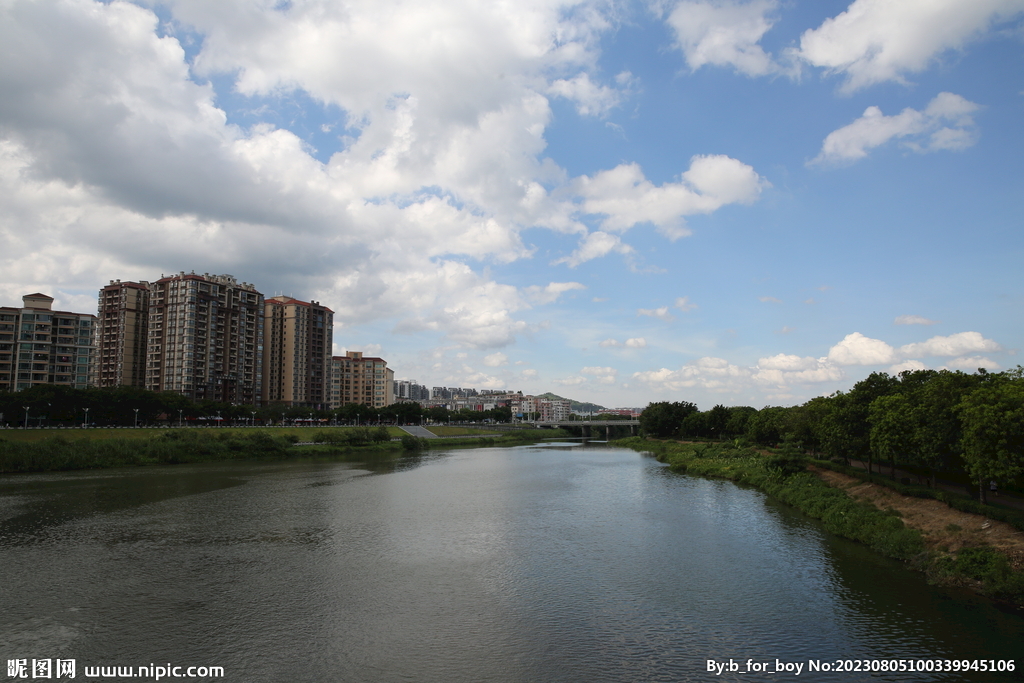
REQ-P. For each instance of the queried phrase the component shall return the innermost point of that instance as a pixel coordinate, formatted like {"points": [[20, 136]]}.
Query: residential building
{"points": [[297, 342], [206, 338], [410, 390], [122, 333], [359, 379], [41, 346]]}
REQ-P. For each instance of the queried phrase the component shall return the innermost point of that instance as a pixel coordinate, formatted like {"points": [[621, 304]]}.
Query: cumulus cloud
{"points": [[659, 313], [953, 345], [571, 381], [972, 363], [914, 320], [776, 376], [907, 365], [601, 375], [856, 349], [625, 197], [945, 124], [632, 343], [724, 33], [594, 245], [495, 360], [550, 293], [591, 99], [875, 41]]}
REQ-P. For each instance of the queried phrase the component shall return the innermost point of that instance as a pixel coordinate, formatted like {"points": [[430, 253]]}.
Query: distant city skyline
{"points": [[738, 202]]}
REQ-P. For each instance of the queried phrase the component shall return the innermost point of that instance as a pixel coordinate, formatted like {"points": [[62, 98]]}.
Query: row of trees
{"points": [[53, 405], [933, 421]]}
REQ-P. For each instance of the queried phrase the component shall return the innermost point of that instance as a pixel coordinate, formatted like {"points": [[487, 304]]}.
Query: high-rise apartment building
{"points": [[297, 343], [41, 346], [122, 334], [359, 379], [206, 338]]}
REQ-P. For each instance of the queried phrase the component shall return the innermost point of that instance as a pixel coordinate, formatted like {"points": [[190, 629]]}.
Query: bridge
{"points": [[588, 425]]}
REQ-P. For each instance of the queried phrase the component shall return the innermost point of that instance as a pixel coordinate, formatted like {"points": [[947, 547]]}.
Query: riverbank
{"points": [[952, 547], [133, 448]]}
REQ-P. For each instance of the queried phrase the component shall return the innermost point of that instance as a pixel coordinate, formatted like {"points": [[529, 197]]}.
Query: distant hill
{"points": [[574, 406]]}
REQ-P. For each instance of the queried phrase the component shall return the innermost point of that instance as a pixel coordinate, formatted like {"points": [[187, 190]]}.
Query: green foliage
{"points": [[993, 431], [412, 443], [664, 419]]}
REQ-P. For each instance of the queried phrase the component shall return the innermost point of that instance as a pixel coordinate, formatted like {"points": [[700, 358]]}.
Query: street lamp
{"points": [[253, 423], [86, 416], [180, 411], [26, 416], [136, 417]]}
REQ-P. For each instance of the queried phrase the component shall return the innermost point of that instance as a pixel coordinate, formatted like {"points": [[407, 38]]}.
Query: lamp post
{"points": [[136, 417], [180, 411], [86, 416], [26, 416], [253, 423]]}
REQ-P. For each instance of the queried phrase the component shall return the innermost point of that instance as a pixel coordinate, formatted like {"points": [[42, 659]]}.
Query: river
{"points": [[528, 564]]}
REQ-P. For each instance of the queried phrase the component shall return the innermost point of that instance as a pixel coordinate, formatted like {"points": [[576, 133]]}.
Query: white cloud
{"points": [[914, 320], [632, 343], [684, 304], [953, 345], [550, 293], [945, 124], [625, 197], [591, 99], [972, 363], [495, 360], [601, 375], [724, 33], [769, 300], [659, 313], [875, 41], [571, 381], [907, 365], [594, 245], [782, 370], [856, 349]]}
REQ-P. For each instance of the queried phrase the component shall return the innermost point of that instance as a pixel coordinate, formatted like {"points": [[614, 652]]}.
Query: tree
{"points": [[993, 432], [664, 419], [892, 429]]}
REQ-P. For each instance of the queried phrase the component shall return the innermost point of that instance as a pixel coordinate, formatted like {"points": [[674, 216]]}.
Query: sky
{"points": [[724, 202]]}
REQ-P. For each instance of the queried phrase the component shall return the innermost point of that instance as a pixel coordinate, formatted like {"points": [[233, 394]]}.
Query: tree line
{"points": [[967, 427], [50, 405]]}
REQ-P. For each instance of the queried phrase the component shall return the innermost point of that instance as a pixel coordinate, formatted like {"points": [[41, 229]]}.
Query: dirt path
{"points": [[943, 528]]}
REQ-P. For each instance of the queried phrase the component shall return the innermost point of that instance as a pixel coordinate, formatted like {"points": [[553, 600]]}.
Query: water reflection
{"points": [[537, 563]]}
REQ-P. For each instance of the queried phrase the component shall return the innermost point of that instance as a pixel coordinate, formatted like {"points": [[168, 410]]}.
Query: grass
{"points": [[103, 433], [783, 476], [445, 430]]}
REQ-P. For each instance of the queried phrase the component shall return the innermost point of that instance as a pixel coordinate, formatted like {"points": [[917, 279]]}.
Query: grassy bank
{"points": [[785, 477], [300, 434], [100, 448]]}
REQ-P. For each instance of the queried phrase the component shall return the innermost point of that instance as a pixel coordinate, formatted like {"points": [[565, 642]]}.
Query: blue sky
{"points": [[747, 203]]}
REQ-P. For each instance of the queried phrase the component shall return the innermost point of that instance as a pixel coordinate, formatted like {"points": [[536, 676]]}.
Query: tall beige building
{"points": [[206, 338], [358, 379], [41, 346], [122, 334], [297, 343]]}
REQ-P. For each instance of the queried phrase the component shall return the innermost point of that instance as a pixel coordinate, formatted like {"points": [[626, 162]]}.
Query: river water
{"points": [[529, 564]]}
